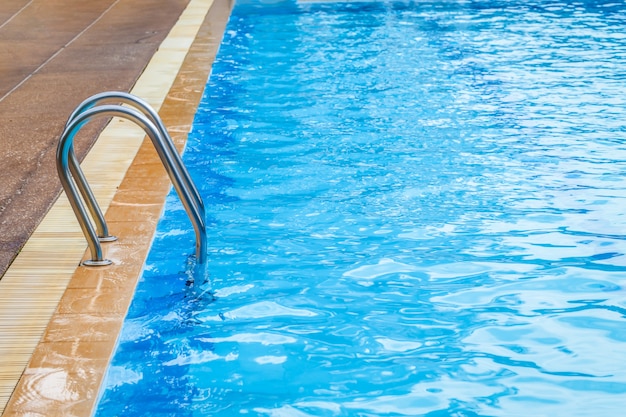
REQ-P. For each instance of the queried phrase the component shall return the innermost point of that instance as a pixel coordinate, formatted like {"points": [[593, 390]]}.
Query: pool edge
{"points": [[64, 372]]}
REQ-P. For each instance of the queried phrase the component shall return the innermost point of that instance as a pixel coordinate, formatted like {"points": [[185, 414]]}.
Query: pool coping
{"points": [[60, 346]]}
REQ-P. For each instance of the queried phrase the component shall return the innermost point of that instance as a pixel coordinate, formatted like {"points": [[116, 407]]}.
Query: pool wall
{"points": [[64, 373]]}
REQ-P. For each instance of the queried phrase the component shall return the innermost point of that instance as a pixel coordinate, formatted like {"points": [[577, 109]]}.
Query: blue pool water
{"points": [[414, 209]]}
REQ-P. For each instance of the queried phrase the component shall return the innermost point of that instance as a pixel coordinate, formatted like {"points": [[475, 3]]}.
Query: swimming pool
{"points": [[414, 209]]}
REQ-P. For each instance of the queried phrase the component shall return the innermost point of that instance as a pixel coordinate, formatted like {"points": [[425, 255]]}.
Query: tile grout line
{"points": [[61, 49], [24, 7]]}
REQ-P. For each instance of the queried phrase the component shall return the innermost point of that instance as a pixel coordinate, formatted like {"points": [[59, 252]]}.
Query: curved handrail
{"points": [[77, 173], [148, 111], [65, 155]]}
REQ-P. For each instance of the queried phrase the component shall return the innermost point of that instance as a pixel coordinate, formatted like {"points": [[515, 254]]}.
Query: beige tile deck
{"points": [[59, 323]]}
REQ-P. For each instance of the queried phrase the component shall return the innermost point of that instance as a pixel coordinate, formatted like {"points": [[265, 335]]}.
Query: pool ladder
{"points": [[78, 191]]}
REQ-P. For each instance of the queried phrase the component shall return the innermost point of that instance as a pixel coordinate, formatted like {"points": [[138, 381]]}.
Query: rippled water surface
{"points": [[414, 209]]}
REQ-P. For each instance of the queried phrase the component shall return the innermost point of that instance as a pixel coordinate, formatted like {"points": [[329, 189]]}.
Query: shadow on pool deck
{"points": [[52, 56]]}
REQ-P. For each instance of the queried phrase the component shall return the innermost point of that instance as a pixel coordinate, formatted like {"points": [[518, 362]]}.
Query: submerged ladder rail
{"points": [[76, 186]]}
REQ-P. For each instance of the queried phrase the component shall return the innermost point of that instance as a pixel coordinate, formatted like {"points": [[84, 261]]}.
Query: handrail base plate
{"points": [[91, 262]]}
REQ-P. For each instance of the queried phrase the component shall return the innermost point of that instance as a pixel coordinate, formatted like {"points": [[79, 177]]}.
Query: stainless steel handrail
{"points": [[77, 173], [141, 105], [74, 182]]}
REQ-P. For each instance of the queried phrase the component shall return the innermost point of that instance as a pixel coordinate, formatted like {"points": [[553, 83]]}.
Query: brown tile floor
{"points": [[53, 54], [65, 370]]}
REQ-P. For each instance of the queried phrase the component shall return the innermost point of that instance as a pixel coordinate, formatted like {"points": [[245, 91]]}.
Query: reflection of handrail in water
{"points": [[73, 179]]}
